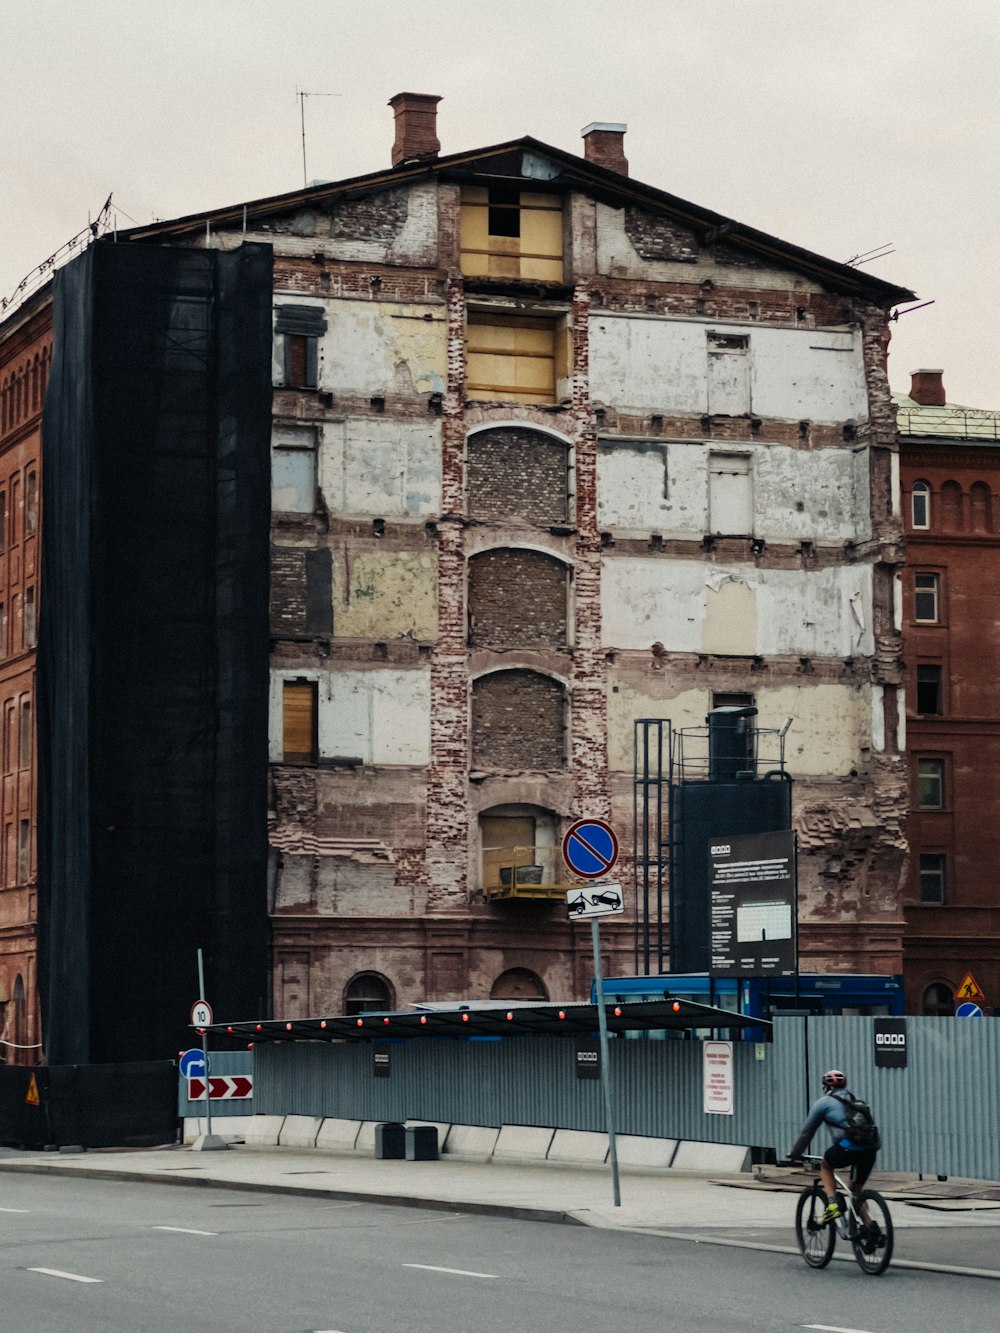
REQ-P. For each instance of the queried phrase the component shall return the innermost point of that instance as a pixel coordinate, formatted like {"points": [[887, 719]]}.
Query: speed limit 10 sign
{"points": [[201, 1014]]}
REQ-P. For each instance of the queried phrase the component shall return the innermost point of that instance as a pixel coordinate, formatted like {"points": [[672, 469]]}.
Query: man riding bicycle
{"points": [[834, 1109]]}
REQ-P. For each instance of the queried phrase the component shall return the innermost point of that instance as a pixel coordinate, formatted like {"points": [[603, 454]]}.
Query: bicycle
{"points": [[871, 1240]]}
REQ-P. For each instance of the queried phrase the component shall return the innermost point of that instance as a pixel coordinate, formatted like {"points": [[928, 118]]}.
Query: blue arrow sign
{"points": [[192, 1064], [968, 1010], [590, 848]]}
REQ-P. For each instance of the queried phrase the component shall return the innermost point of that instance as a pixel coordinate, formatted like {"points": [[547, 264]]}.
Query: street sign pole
{"points": [[204, 1046], [201, 1017], [602, 1020]]}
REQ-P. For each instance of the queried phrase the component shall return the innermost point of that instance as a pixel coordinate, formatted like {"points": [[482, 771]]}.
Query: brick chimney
{"points": [[927, 388], [604, 143], [416, 127]]}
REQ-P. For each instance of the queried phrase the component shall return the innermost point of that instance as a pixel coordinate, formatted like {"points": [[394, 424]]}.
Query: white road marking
{"points": [[70, 1277], [13, 1210], [834, 1328], [459, 1272], [187, 1231]]}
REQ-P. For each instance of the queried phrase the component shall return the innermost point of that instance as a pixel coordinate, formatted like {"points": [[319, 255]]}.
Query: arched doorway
{"points": [[938, 1000], [518, 983], [366, 992]]}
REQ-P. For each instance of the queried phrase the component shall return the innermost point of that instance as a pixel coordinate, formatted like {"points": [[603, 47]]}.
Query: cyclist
{"points": [[831, 1110]]}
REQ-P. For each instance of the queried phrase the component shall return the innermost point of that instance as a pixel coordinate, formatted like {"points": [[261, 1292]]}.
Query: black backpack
{"points": [[859, 1128]]}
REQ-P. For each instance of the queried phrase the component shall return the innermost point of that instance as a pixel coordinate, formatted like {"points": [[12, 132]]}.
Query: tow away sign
{"points": [[589, 900], [222, 1087]]}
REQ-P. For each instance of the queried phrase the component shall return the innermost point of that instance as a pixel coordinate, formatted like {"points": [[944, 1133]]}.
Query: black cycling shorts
{"points": [[860, 1160]]}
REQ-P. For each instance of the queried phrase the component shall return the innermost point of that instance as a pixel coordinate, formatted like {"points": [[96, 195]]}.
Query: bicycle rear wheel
{"points": [[873, 1242], [816, 1238]]}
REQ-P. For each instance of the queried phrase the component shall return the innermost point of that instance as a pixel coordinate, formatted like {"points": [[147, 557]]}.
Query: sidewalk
{"points": [[951, 1226]]}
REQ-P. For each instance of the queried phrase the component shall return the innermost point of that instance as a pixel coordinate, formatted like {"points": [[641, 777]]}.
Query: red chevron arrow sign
{"points": [[221, 1087]]}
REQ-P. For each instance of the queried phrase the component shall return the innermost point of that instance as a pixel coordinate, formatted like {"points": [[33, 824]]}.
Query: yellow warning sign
{"points": [[31, 1096], [969, 989]]}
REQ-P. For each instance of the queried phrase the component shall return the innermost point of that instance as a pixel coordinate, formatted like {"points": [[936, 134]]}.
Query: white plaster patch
{"points": [[381, 467], [377, 716]]}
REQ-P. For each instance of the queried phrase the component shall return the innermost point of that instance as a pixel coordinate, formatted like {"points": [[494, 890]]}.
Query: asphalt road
{"points": [[82, 1256]]}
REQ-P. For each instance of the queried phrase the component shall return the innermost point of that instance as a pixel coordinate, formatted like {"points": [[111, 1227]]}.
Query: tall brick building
{"points": [[553, 450], [950, 459]]}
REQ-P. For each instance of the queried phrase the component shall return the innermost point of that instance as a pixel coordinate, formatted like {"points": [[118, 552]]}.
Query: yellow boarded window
{"points": [[507, 232], [299, 721], [511, 358]]}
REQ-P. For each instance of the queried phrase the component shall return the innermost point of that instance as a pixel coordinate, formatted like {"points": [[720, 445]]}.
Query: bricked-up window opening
{"points": [[516, 473], [728, 375], [517, 599], [24, 750], [31, 503], [981, 507], [518, 722], [930, 784], [300, 327], [20, 1056], [3, 519], [939, 1001], [300, 721], [507, 232], [23, 851], [293, 470], [929, 690], [518, 983], [951, 507], [3, 630], [933, 877], [926, 598], [920, 505], [367, 992], [29, 618], [730, 495], [514, 359]]}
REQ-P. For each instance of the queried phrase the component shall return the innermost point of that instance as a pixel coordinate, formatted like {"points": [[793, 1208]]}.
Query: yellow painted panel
{"points": [[542, 270], [541, 233], [504, 266], [550, 202], [384, 594], [475, 194]]}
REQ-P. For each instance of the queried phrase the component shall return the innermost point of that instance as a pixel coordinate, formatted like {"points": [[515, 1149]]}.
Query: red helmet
{"points": [[833, 1079]]}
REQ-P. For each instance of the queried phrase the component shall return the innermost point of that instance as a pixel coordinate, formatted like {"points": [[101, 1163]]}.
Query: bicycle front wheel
{"points": [[816, 1238], [873, 1242]]}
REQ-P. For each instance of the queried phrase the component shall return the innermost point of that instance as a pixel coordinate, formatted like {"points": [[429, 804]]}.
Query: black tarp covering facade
{"points": [[153, 647]]}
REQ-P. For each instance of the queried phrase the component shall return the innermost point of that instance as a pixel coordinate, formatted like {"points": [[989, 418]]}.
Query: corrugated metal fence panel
{"points": [[221, 1062]]}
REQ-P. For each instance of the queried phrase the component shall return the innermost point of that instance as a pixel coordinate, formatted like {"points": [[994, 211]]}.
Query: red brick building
{"points": [[25, 352], [950, 469]]}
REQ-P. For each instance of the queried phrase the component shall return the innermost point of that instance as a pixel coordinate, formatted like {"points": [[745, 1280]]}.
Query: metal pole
{"points": [[602, 1019], [204, 1047]]}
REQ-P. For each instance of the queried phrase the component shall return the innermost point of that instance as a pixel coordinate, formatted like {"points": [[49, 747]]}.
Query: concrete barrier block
{"points": [[578, 1145], [695, 1156], [471, 1141], [229, 1127], [338, 1135], [523, 1143], [640, 1153], [299, 1131], [262, 1131]]}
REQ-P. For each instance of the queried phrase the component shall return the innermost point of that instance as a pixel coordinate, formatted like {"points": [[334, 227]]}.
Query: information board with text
{"points": [[752, 888]]}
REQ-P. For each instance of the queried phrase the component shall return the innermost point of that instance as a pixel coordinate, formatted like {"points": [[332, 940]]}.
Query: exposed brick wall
{"points": [[301, 592], [656, 238], [518, 721], [377, 217], [516, 473], [517, 599]]}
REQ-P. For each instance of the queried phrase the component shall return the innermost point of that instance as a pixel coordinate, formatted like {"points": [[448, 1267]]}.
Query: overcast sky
{"points": [[839, 125]]}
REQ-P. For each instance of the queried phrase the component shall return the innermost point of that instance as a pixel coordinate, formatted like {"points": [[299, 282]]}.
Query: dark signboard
{"points": [[588, 1059], [889, 1035], [752, 891], [381, 1067]]}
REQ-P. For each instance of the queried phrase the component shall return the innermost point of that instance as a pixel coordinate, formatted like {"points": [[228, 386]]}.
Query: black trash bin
{"points": [[390, 1142], [421, 1143]]}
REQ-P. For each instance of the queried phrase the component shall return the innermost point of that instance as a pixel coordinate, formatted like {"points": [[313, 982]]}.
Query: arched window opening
{"points": [[980, 507], [19, 1054], [951, 507], [518, 983], [366, 992], [518, 722], [515, 473], [517, 599], [521, 852], [920, 505], [938, 1001]]}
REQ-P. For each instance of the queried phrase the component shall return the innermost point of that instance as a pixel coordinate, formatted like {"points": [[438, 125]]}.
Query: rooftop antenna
{"points": [[302, 122], [871, 256]]}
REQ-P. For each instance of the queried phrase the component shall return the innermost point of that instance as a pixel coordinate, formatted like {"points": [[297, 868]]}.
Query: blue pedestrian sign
{"points": [[192, 1064], [590, 848], [968, 1010]]}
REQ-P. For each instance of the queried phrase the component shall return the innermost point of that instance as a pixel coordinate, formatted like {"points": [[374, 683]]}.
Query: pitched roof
{"points": [[590, 177], [952, 422]]}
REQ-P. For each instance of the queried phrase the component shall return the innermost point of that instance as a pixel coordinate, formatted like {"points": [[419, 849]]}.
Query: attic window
{"points": [[507, 232], [300, 327]]}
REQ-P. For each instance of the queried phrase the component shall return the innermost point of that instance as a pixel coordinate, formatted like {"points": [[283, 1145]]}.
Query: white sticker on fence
{"points": [[717, 1077]]}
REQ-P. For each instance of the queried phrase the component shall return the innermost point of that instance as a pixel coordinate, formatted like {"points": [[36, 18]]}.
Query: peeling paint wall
{"points": [[384, 593], [673, 602], [379, 717], [643, 363], [382, 467]]}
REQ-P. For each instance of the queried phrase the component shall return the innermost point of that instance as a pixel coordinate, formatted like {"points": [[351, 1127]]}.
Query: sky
{"points": [[841, 126]]}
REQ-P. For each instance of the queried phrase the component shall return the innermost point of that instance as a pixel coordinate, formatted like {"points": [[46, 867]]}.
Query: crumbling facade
{"points": [[951, 641]]}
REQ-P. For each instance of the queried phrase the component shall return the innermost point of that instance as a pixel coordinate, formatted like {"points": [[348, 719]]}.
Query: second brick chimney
{"points": [[604, 143], [927, 388], [416, 127]]}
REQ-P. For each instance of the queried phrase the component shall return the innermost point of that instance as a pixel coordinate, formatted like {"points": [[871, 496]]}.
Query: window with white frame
{"points": [[920, 505], [926, 598]]}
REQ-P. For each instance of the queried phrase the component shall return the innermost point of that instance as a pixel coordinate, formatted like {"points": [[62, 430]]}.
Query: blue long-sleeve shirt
{"points": [[832, 1112]]}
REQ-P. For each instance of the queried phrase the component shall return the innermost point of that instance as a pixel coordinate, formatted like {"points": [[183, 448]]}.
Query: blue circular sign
{"points": [[590, 848], [192, 1064], [968, 1010]]}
